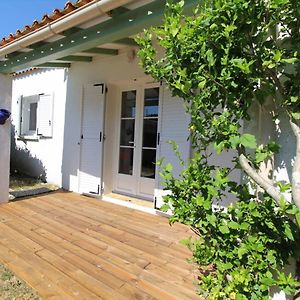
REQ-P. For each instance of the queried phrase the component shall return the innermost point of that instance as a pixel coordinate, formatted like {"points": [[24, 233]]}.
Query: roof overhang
{"points": [[116, 29]]}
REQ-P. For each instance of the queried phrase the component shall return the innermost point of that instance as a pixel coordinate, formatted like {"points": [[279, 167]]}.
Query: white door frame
{"points": [[135, 179]]}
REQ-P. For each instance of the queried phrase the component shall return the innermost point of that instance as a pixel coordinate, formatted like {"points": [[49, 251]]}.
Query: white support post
{"points": [[5, 102]]}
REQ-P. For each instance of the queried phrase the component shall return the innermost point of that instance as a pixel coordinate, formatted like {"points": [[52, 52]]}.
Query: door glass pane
{"points": [[128, 104], [150, 127], [32, 116], [126, 161], [127, 133], [150, 133], [148, 163], [151, 102]]}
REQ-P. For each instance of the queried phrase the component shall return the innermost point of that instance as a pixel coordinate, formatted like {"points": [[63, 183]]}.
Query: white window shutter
{"points": [[24, 116], [45, 116], [18, 117]]}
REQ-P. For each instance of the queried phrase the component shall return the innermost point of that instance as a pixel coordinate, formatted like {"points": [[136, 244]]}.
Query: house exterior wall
{"points": [[117, 72], [40, 157], [5, 102]]}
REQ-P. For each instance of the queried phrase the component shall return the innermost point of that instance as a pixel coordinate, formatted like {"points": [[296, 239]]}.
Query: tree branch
{"points": [[296, 167], [258, 179]]}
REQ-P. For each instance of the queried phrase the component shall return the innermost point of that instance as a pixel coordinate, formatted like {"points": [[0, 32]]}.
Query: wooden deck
{"points": [[68, 246]]}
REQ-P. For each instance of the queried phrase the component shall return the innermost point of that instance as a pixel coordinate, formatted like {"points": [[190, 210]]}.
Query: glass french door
{"points": [[137, 146]]}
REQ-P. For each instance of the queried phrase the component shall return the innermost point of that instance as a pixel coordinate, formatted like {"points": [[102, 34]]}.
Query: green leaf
{"points": [[274, 147], [165, 207], [219, 147], [201, 84], [168, 168], [234, 141], [267, 281], [248, 141], [296, 115], [199, 200], [277, 55], [210, 58], [290, 60], [241, 251], [271, 258], [297, 215], [244, 226], [233, 225], [242, 64], [288, 232], [224, 229], [260, 156], [294, 99]]}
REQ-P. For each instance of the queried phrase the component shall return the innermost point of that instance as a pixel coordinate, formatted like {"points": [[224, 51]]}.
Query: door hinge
{"points": [[155, 203], [100, 136], [82, 136], [158, 138], [102, 85]]}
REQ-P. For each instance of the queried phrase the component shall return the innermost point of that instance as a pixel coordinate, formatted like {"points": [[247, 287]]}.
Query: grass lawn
{"points": [[19, 182], [12, 288]]}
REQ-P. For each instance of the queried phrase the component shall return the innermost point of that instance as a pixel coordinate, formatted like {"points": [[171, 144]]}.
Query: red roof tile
{"points": [[56, 14]]}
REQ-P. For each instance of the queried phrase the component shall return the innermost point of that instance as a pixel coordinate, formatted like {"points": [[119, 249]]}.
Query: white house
{"points": [[98, 127], [85, 116]]}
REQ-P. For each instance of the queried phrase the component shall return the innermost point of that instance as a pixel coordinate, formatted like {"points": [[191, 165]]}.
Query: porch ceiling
{"points": [[82, 44], [67, 246]]}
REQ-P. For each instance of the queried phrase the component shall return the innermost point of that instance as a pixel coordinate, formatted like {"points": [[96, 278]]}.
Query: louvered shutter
{"points": [[45, 116], [173, 127]]}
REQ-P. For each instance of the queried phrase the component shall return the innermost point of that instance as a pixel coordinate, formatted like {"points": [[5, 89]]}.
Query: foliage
{"points": [[222, 60]]}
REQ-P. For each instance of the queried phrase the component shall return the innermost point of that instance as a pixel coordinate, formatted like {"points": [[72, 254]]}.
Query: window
{"points": [[36, 116]]}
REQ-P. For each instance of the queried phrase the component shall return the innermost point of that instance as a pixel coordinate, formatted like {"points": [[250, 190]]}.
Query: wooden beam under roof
{"points": [[126, 42], [54, 65], [13, 54], [76, 58], [102, 51]]}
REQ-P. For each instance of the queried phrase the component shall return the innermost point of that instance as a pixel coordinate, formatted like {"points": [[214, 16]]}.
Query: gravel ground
{"points": [[12, 288]]}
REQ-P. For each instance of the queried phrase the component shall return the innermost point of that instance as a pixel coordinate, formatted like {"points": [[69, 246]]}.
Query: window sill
{"points": [[33, 138]]}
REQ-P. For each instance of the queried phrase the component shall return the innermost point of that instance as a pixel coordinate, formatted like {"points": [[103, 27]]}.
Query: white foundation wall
{"points": [[5, 102], [42, 155]]}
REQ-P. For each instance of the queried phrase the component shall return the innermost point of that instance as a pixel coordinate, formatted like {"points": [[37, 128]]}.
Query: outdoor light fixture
{"points": [[4, 115]]}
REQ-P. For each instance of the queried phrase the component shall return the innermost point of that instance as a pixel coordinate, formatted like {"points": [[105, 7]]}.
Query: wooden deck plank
{"points": [[71, 247], [71, 223], [139, 230]]}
